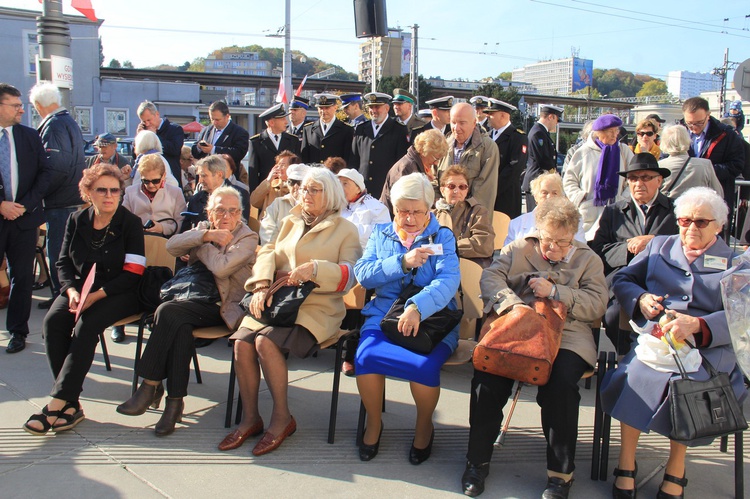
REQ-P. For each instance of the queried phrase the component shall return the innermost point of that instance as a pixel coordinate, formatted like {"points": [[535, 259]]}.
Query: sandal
{"points": [[682, 482], [42, 418], [71, 420]]}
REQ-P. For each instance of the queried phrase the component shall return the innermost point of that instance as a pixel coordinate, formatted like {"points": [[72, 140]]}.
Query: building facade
{"points": [[558, 77], [242, 63], [686, 84], [391, 57]]}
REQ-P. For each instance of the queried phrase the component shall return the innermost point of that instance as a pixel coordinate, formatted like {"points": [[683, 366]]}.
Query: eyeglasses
{"points": [[696, 124], [14, 106], [153, 181], [410, 213], [103, 191], [291, 182], [701, 223], [222, 212], [311, 191], [647, 134], [452, 187], [560, 243], [642, 178]]}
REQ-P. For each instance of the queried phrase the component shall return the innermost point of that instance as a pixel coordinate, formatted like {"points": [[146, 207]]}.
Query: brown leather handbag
{"points": [[523, 343]]}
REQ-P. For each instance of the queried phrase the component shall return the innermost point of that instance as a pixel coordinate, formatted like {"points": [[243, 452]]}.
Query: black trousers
{"points": [[18, 245], [170, 347], [71, 346], [559, 400], [620, 338]]}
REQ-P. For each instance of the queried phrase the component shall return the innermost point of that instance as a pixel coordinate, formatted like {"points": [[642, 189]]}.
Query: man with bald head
{"points": [[476, 152]]}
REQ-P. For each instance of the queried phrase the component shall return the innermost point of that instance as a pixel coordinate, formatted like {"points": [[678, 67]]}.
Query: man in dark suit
{"points": [[298, 115], [512, 145], [626, 227], [440, 110], [378, 143], [327, 137], [266, 145], [24, 180], [223, 136], [171, 136], [542, 153]]}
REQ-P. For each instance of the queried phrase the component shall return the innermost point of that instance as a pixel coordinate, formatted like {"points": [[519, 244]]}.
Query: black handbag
{"points": [[702, 409], [285, 303], [431, 331], [194, 282], [149, 287]]}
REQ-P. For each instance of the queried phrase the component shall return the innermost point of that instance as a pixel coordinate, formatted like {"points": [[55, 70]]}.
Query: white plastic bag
{"points": [[655, 353], [735, 291]]}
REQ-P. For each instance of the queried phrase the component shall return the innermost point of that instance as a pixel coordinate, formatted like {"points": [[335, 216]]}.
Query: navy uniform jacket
{"points": [[542, 155], [34, 177], [263, 154], [620, 221], [512, 145], [374, 156], [172, 137], [337, 142], [358, 120], [234, 140], [430, 126]]}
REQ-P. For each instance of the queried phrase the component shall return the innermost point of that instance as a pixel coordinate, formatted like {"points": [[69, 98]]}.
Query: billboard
{"points": [[583, 73], [405, 53]]}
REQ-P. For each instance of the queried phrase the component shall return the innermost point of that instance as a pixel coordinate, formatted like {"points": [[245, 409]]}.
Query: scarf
{"points": [[407, 238], [693, 254], [442, 204], [311, 220], [150, 195], [607, 179]]}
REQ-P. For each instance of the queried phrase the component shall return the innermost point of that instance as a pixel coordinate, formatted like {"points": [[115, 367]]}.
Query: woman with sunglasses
{"points": [[647, 136], [111, 237], [680, 274], [154, 200], [468, 220]]}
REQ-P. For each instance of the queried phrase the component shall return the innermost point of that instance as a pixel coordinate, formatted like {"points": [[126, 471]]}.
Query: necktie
{"points": [[377, 129], [276, 138], [644, 208], [5, 165]]}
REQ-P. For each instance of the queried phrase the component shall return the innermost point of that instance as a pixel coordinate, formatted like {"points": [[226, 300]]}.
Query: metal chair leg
{"points": [[361, 423], [606, 424], [197, 368], [230, 395], [338, 361], [105, 353], [138, 347], [598, 417], [739, 467]]}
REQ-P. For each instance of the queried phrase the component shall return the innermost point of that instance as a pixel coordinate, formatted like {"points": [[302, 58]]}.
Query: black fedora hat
{"points": [[645, 161]]}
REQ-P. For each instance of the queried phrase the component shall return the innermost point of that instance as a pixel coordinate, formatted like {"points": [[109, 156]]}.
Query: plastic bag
{"points": [[655, 353], [735, 291]]}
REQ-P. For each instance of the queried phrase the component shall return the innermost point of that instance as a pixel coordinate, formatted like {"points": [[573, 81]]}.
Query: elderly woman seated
{"points": [[363, 210], [280, 207], [226, 248], [681, 275], [399, 253], [274, 186], [158, 204], [686, 171], [468, 220], [314, 244], [518, 276], [428, 149], [545, 186]]}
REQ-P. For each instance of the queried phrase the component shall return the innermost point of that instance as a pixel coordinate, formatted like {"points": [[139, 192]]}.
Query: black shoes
{"points": [[16, 343], [418, 456], [557, 488], [368, 452], [202, 342], [45, 305], [618, 493], [682, 482], [473, 478], [118, 334], [171, 416], [40, 285]]}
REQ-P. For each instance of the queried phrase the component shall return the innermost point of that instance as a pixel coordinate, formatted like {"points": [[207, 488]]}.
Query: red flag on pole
{"points": [[299, 89], [85, 8], [281, 94]]}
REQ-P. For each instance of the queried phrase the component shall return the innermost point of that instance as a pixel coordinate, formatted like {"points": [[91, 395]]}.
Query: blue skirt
{"points": [[377, 355]]}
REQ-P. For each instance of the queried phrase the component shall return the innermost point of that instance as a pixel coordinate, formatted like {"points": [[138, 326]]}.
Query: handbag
{"points": [[194, 282], [523, 343], [149, 287], [702, 409], [431, 330], [285, 303]]}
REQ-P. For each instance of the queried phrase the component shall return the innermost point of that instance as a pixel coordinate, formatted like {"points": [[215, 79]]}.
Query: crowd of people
{"points": [[390, 203]]}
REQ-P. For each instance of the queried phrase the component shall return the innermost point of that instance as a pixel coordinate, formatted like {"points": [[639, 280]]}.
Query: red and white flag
{"points": [[281, 94], [84, 7], [299, 89]]}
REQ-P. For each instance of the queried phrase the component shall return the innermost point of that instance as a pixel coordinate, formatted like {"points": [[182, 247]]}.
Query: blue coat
{"points": [[380, 269]]}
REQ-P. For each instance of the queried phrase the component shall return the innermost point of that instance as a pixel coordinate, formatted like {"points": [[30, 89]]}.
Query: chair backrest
{"points": [[156, 252], [355, 298], [500, 224], [254, 225], [471, 272]]}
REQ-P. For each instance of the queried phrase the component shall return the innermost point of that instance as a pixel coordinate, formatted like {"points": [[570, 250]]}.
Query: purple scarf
{"points": [[607, 179]]}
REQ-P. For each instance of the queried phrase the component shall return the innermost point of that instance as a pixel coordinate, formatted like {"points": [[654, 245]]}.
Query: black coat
{"points": [[337, 142], [124, 237], [172, 137], [542, 155], [429, 126], [234, 140], [512, 145], [374, 156], [198, 202], [34, 177], [619, 222], [63, 140], [263, 154]]}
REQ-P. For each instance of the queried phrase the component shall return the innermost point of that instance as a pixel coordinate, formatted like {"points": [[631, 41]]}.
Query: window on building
{"points": [[83, 118], [116, 121]]}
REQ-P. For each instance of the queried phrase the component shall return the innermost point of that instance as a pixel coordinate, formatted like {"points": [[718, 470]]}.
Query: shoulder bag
{"points": [[194, 282], [285, 303]]}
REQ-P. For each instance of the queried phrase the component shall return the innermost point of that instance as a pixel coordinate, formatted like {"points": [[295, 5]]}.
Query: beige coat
{"points": [[478, 240], [580, 286], [168, 202], [334, 244], [231, 265]]}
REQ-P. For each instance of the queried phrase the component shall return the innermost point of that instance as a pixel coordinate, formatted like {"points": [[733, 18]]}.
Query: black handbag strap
{"points": [[677, 177], [704, 361]]}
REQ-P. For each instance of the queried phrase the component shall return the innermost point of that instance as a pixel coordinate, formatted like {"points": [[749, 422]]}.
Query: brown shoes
{"points": [[236, 438], [270, 442]]}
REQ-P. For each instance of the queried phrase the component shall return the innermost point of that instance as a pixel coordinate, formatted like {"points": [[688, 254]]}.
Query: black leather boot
{"points": [[146, 395], [172, 415]]}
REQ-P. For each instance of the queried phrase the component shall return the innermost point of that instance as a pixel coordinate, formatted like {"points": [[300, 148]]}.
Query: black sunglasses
{"points": [[153, 181]]}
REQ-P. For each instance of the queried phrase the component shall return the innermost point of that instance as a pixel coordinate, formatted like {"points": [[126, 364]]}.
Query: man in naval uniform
{"points": [[328, 136], [512, 145], [265, 146], [542, 153]]}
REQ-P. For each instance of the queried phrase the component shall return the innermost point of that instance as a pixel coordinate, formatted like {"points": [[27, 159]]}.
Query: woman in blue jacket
{"points": [[408, 249]]}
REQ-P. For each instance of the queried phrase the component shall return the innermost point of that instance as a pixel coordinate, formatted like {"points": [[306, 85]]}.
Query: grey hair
{"points": [[223, 191], [146, 105], [44, 94], [215, 164], [333, 191], [536, 184], [146, 140], [674, 140], [557, 212], [702, 196], [586, 130], [413, 187]]}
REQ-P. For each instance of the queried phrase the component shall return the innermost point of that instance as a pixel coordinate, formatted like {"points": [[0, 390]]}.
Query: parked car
{"points": [[124, 148]]}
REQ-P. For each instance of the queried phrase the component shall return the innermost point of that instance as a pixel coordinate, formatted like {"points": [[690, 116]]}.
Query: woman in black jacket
{"points": [[112, 238]]}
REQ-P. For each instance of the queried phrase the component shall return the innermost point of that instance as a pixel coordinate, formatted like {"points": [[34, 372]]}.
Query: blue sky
{"points": [[467, 39]]}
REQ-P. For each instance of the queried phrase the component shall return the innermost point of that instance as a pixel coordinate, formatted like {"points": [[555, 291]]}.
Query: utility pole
{"points": [[722, 73], [287, 66], [53, 35], [373, 70], [414, 66]]}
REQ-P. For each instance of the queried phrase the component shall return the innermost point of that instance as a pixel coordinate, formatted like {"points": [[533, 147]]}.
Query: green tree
{"points": [[198, 65], [653, 87], [127, 64], [387, 84], [101, 53], [114, 63], [505, 75], [509, 95], [184, 66]]}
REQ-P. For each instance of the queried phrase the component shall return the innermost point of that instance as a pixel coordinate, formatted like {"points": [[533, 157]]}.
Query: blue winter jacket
{"points": [[380, 269]]}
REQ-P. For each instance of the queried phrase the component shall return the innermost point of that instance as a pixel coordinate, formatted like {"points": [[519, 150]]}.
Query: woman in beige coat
{"points": [[519, 275], [314, 244]]}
